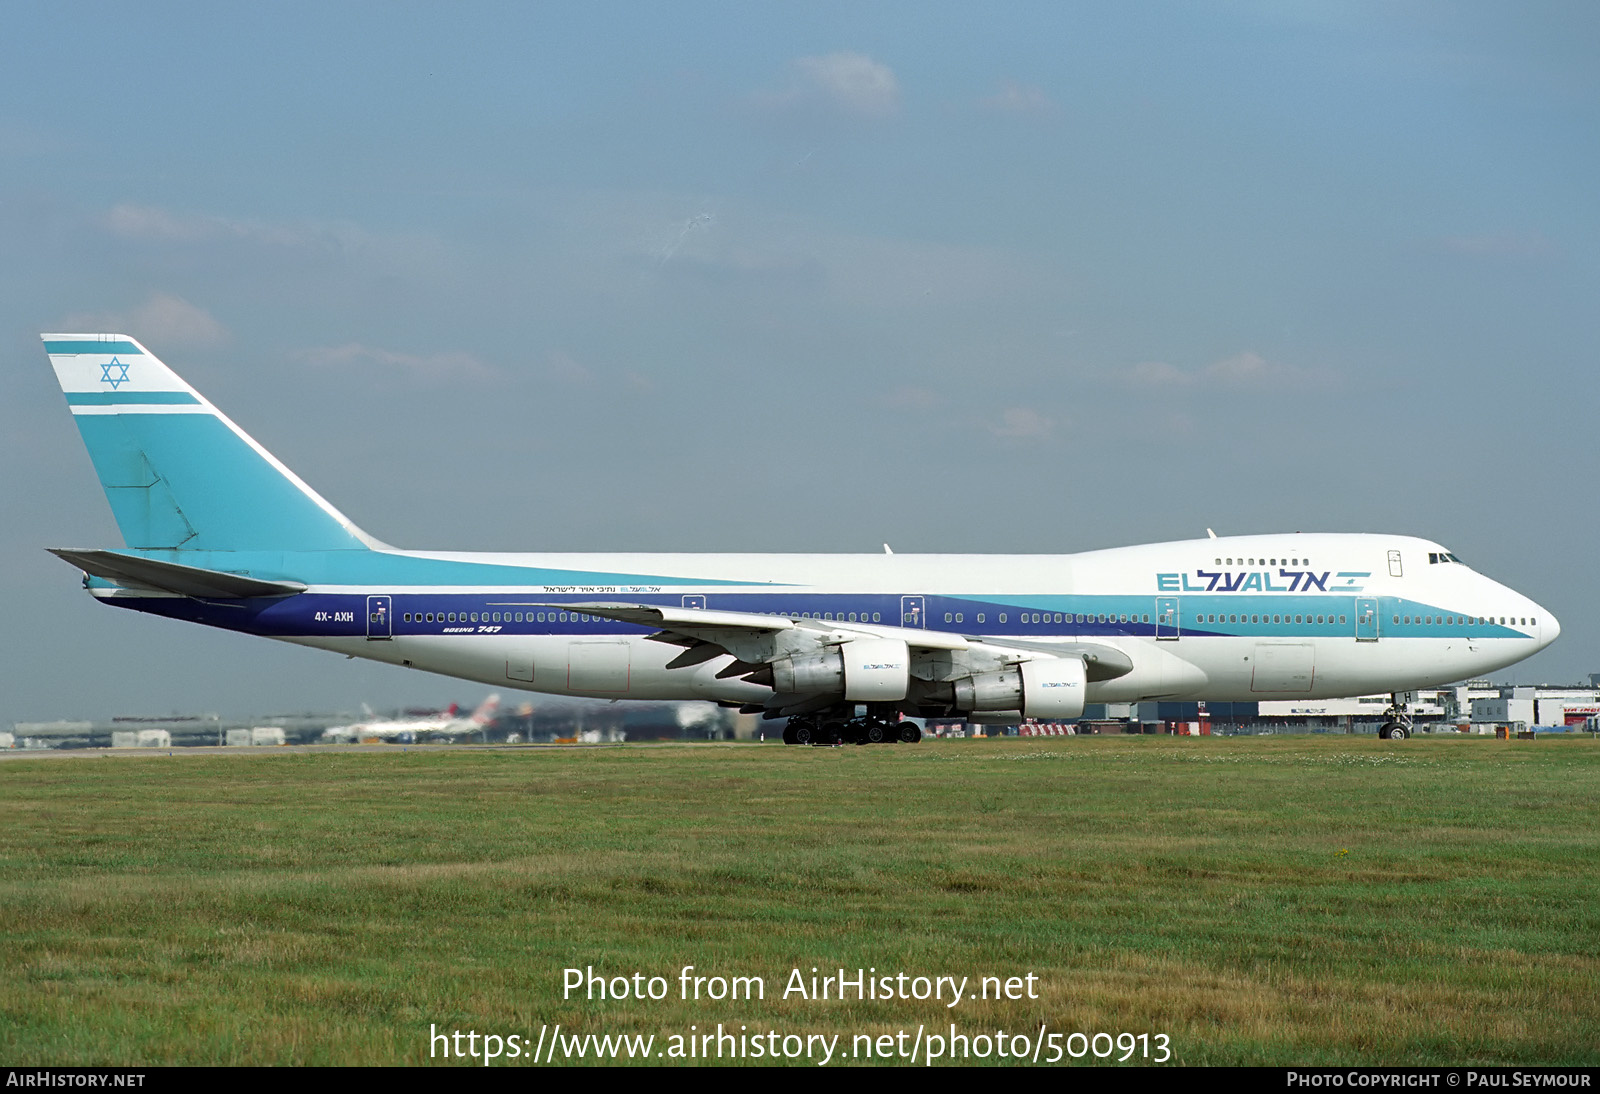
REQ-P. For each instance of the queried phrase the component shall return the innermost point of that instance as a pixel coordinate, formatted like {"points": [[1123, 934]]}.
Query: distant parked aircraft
{"points": [[444, 724]]}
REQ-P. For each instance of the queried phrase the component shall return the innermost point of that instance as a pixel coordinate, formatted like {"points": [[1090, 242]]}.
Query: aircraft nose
{"points": [[1549, 628]]}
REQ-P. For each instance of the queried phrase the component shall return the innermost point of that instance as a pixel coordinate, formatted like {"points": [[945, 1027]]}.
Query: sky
{"points": [[807, 277]]}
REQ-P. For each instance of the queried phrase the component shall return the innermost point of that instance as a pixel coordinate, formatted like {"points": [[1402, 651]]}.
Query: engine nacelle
{"points": [[1052, 688], [820, 673], [876, 670], [868, 670]]}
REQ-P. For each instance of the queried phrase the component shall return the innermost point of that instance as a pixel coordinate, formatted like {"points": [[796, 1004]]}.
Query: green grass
{"points": [[1292, 900]]}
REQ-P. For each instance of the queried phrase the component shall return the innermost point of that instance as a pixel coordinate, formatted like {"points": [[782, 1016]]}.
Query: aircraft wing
{"points": [[1101, 662], [755, 639], [704, 625], [172, 577]]}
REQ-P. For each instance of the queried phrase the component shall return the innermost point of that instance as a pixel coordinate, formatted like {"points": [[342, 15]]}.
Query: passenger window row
{"points": [[1458, 620], [1268, 619], [498, 617]]}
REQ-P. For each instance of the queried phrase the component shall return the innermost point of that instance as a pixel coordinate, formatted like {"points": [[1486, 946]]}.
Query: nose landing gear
{"points": [[1399, 726]]}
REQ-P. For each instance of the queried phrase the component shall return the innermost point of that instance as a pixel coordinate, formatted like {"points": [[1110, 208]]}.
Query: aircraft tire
{"points": [[788, 735], [909, 733], [804, 734], [832, 732], [876, 733]]}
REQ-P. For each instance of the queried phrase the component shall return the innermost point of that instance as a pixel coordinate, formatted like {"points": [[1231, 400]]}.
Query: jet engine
{"points": [[1052, 689], [867, 670]]}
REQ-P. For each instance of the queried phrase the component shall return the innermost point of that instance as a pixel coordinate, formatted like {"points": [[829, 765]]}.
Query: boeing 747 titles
{"points": [[219, 532]]}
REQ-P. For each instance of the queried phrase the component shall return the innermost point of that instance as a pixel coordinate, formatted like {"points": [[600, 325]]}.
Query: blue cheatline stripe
{"points": [[92, 347], [108, 398]]}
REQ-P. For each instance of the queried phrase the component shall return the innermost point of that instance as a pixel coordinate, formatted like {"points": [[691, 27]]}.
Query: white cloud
{"points": [[846, 83], [563, 368], [152, 224], [432, 366], [1019, 98], [913, 398], [1022, 423], [1247, 368], [796, 258], [162, 320], [148, 222], [1152, 374], [1241, 370]]}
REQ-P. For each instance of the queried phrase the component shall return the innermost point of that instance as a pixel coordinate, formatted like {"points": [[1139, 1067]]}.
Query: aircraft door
{"points": [[1167, 629], [379, 621], [1366, 620], [694, 602], [911, 612]]}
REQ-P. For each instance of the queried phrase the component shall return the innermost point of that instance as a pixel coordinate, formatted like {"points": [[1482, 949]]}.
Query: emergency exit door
{"points": [[380, 623], [1366, 620], [1167, 618]]}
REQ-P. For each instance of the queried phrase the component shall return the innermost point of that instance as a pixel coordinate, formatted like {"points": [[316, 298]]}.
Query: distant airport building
{"points": [[1474, 707]]}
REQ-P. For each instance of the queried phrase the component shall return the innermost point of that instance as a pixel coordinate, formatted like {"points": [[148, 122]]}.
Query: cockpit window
{"points": [[1435, 557]]}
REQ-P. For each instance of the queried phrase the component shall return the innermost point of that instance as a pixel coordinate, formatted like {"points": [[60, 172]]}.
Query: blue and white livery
{"points": [[218, 532]]}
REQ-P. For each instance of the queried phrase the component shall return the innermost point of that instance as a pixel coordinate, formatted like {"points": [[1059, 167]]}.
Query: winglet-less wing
{"points": [[1100, 661], [171, 577], [703, 623], [671, 618]]}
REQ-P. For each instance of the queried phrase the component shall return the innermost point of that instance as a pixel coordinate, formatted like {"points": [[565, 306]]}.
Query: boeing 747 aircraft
{"points": [[219, 532]]}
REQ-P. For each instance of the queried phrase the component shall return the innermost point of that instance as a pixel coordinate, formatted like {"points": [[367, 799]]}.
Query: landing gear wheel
{"points": [[830, 733], [1399, 726], [876, 734], [804, 734], [909, 733], [788, 735]]}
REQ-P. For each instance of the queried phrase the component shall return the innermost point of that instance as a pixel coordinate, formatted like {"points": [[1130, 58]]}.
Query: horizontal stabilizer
{"points": [[171, 577]]}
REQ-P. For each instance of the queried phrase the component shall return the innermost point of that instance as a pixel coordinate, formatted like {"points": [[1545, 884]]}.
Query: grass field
{"points": [[1259, 900]]}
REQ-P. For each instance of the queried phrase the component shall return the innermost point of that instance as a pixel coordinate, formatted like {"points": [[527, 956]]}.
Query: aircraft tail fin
{"points": [[179, 474], [485, 712]]}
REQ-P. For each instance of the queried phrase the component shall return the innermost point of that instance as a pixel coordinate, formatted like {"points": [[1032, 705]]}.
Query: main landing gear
{"points": [[1399, 726], [809, 729]]}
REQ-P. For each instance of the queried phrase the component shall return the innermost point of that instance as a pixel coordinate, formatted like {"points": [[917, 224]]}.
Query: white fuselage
{"points": [[1241, 618]]}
